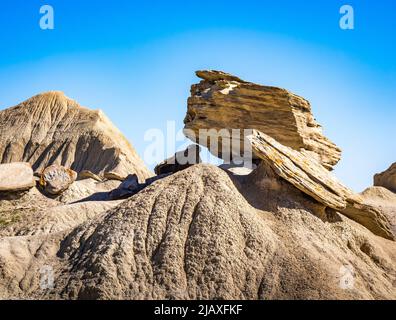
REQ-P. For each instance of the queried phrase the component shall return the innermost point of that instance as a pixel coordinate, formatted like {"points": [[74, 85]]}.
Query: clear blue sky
{"points": [[136, 60]]}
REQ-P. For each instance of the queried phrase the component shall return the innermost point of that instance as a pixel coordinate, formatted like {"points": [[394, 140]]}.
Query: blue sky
{"points": [[136, 60]]}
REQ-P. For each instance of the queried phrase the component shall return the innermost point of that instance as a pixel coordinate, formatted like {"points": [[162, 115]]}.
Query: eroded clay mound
{"points": [[194, 235], [53, 129]]}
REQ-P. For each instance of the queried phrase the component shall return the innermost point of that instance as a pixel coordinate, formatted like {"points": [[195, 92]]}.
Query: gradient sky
{"points": [[135, 60]]}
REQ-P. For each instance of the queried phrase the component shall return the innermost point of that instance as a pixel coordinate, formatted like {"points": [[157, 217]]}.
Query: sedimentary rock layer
{"points": [[53, 129], [313, 179], [222, 101]]}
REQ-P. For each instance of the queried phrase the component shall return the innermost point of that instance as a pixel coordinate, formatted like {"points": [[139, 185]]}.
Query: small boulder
{"points": [[16, 176], [180, 161], [55, 179], [127, 188]]}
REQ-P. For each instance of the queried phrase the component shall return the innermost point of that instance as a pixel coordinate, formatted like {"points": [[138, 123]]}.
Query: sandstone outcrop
{"points": [[53, 129], [387, 179], [17, 176], [180, 161], [55, 179], [224, 102], [313, 179]]}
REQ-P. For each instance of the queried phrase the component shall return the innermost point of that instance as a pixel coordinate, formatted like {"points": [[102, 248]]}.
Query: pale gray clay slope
{"points": [[201, 234], [53, 129]]}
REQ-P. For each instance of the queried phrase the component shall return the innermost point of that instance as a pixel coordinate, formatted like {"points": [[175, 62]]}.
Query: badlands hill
{"points": [[286, 230], [51, 128]]}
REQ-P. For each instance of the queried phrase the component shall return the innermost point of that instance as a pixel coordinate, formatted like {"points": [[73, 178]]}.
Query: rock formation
{"points": [[285, 229], [387, 179], [180, 161], [17, 176], [55, 179], [53, 129], [224, 102], [313, 179]]}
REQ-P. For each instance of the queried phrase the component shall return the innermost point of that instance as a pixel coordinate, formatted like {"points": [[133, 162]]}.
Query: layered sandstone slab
{"points": [[53, 129], [314, 180], [223, 101], [387, 179]]}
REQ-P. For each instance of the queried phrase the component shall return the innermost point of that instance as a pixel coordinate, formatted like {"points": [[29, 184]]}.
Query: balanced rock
{"points": [[387, 179], [55, 179], [224, 102], [53, 129], [180, 161], [16, 176], [313, 179]]}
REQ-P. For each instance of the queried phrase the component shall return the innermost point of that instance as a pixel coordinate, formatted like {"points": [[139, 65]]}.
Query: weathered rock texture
{"points": [[17, 176], [222, 101], [53, 129], [387, 179], [384, 200], [313, 179], [55, 179], [193, 235]]}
